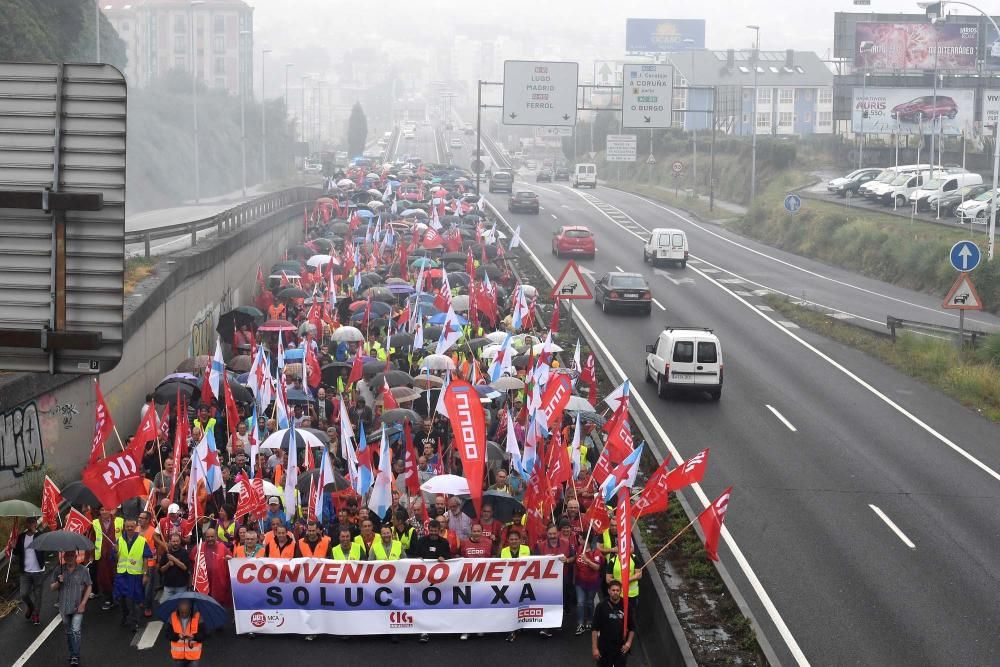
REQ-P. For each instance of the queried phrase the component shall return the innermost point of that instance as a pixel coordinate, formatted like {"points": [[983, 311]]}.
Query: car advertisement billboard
{"points": [[912, 110], [991, 50], [921, 46], [661, 35]]}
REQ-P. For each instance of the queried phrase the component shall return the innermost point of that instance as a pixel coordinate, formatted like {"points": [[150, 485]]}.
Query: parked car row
{"points": [[953, 191]]}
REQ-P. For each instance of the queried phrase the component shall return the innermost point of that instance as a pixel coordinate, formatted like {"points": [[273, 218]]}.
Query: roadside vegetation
{"points": [[137, 269], [971, 377]]}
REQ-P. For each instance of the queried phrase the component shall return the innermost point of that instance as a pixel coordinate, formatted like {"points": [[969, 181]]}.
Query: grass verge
{"points": [[666, 196], [971, 377], [137, 269]]}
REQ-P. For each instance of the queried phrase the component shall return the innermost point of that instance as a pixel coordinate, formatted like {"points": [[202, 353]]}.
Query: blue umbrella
{"points": [[441, 317], [295, 354], [424, 298], [242, 378], [297, 396], [365, 214], [213, 615]]}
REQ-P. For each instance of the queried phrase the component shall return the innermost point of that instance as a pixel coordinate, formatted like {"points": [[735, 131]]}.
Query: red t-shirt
{"points": [[586, 577], [492, 530], [481, 549]]}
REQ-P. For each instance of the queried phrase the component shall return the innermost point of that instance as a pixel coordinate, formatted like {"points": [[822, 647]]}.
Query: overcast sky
{"points": [[286, 25]]}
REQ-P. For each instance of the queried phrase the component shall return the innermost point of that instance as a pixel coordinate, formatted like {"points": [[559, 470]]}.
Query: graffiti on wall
{"points": [[21, 439], [203, 325]]}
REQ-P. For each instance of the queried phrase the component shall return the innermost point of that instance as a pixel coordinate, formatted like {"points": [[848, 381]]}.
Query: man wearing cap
{"points": [[170, 523], [274, 511]]}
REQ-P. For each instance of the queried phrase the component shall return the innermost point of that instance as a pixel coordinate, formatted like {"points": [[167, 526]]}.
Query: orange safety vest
{"points": [[179, 650], [287, 552], [322, 548], [148, 534], [241, 552]]}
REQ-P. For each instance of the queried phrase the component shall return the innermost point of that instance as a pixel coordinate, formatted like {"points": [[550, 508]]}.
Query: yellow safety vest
{"points": [[395, 550], [338, 553], [406, 538], [633, 582], [130, 561], [522, 551], [119, 524]]}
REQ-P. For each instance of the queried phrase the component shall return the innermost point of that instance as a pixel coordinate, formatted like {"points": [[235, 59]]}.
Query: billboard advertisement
{"points": [[920, 46], [912, 110], [991, 52], [991, 107], [661, 35]]}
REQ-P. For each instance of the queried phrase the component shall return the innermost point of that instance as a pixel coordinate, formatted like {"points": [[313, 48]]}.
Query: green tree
{"points": [[56, 31], [357, 130]]}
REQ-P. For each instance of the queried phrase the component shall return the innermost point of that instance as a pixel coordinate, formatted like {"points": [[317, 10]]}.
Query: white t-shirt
{"points": [[31, 563]]}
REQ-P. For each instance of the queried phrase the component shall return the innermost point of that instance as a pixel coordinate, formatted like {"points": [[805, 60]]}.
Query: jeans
{"points": [[73, 623], [31, 590], [147, 602], [172, 591], [186, 663], [584, 606]]}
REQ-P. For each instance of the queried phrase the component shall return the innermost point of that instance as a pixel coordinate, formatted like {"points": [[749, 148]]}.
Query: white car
{"points": [[976, 210], [455, 142], [685, 359]]}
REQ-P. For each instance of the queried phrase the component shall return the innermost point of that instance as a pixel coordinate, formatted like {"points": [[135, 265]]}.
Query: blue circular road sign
{"points": [[965, 256], [793, 203]]}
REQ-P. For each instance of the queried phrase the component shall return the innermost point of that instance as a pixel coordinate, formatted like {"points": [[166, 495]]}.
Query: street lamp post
{"points": [[753, 125], [194, 99], [97, 29], [288, 66], [935, 10], [263, 116], [243, 119], [694, 126], [864, 93]]}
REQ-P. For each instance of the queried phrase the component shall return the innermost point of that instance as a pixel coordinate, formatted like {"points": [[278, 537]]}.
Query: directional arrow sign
{"points": [[965, 256], [571, 284], [647, 91], [539, 93]]}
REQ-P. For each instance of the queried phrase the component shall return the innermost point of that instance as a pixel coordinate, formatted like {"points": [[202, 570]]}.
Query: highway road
{"points": [[862, 527]]}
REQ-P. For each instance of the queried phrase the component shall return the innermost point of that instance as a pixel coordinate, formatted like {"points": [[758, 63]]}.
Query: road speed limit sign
{"points": [[677, 166]]}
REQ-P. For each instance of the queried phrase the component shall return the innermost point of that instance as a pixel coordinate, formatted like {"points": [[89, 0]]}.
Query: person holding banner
{"points": [[314, 544], [346, 543], [610, 640], [250, 547]]}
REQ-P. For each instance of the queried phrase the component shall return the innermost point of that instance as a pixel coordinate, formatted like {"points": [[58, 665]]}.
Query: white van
{"points": [[686, 359], [584, 174], [926, 196], [666, 245], [876, 187]]}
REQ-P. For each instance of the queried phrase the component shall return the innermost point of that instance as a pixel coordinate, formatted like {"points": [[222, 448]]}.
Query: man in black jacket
{"points": [[610, 642], [32, 570], [431, 545]]}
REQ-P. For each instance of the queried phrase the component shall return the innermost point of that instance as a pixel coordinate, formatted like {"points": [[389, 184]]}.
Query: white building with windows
{"points": [[794, 92]]}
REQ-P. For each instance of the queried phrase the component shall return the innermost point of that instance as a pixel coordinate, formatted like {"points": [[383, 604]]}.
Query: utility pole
{"points": [[243, 119], [194, 100], [263, 116], [753, 124], [97, 29], [479, 132]]}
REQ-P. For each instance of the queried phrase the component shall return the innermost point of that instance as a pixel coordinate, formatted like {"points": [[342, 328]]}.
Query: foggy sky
{"points": [[287, 25]]}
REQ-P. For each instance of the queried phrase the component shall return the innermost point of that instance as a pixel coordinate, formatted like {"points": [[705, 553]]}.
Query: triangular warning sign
{"points": [[963, 295], [571, 284]]}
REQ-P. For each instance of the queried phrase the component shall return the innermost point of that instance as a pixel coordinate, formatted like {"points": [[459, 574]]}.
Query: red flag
{"points": [[432, 239], [115, 479], [165, 423], [557, 393], [711, 522], [468, 424], [588, 376], [598, 516], [470, 264], [207, 395], [357, 368], [76, 522], [623, 519], [260, 280], [232, 412], [619, 434], [12, 540], [554, 322], [200, 579], [603, 467], [561, 469], [537, 503], [311, 511], [103, 424], [656, 493], [146, 432], [389, 401], [51, 499], [412, 477]]}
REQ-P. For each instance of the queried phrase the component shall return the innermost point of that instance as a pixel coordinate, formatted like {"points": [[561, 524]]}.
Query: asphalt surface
{"points": [[861, 442]]}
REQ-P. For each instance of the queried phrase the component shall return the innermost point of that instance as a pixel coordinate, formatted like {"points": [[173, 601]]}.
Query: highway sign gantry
{"points": [[571, 284], [539, 92], [647, 94], [965, 256]]}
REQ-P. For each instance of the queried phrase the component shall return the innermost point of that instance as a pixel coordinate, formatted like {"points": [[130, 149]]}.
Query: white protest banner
{"points": [[319, 596]]}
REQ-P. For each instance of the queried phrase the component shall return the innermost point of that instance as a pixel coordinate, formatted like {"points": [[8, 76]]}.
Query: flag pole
{"points": [[673, 539]]}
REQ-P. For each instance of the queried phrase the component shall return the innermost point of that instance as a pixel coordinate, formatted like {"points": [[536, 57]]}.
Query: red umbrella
{"points": [[358, 305], [277, 325]]}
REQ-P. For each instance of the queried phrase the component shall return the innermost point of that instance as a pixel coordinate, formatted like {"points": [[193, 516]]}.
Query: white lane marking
{"points": [[743, 292], [785, 263], [900, 534], [712, 270], [566, 206], [554, 216], [618, 268], [40, 639], [846, 371], [659, 305], [842, 316], [766, 309], [149, 634], [781, 417], [731, 281], [788, 325], [727, 537], [536, 185]]}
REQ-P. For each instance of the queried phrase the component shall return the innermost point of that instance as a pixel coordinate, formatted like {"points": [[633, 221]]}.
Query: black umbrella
{"points": [[373, 368], [401, 341], [494, 452], [61, 540], [394, 377], [504, 505], [339, 483], [477, 343], [302, 250], [320, 435], [241, 394], [459, 277], [494, 271], [520, 361], [240, 363], [333, 370], [76, 493], [432, 332], [453, 257], [166, 390], [375, 278], [379, 293], [231, 321], [292, 293], [399, 415], [132, 507]]}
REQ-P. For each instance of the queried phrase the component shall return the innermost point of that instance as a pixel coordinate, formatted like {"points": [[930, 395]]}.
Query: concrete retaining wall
{"points": [[47, 421]]}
